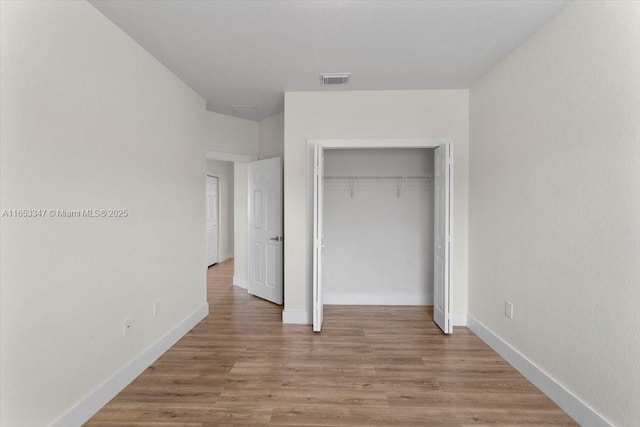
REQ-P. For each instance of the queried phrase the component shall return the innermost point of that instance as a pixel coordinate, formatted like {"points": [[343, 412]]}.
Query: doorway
{"points": [[382, 224], [378, 226]]}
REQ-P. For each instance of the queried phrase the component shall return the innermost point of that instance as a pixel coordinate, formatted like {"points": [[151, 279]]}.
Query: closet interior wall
{"points": [[378, 226]]}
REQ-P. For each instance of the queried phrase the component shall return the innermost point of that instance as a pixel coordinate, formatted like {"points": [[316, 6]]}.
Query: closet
{"points": [[381, 227], [378, 226]]}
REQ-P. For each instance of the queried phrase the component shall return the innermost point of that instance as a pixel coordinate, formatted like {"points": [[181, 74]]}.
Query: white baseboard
{"points": [[241, 283], [582, 413], [101, 395], [378, 299], [458, 319], [296, 317], [224, 257]]}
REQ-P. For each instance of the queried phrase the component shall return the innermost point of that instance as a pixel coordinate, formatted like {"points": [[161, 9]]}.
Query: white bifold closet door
{"points": [[442, 236], [443, 190], [318, 305]]}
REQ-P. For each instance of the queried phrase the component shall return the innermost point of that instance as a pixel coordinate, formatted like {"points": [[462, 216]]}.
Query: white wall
{"points": [[86, 118], [378, 246], [555, 203], [271, 137], [365, 114], [226, 134], [224, 171]]}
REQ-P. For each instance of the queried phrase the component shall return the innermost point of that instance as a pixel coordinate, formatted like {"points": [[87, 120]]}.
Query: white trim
{"points": [[226, 256], [582, 413], [84, 409], [229, 157], [296, 317], [218, 177], [378, 299], [241, 283], [381, 143], [458, 319], [247, 273]]}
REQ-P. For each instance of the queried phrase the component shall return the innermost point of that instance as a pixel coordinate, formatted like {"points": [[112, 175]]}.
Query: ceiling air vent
{"points": [[335, 78]]}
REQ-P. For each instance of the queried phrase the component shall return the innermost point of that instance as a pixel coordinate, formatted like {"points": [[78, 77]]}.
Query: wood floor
{"points": [[370, 366]]}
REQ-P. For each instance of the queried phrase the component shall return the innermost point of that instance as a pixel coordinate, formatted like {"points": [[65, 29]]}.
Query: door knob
{"points": [[277, 238]]}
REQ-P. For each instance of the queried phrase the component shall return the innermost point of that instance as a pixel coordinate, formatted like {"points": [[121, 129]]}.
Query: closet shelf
{"points": [[400, 180], [355, 177]]}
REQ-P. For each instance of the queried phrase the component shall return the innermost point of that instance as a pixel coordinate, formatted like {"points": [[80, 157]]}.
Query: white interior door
{"points": [[443, 181], [318, 305], [265, 230], [212, 220]]}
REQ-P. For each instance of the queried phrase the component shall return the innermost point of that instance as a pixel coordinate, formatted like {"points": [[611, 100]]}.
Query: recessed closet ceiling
{"points": [[242, 55]]}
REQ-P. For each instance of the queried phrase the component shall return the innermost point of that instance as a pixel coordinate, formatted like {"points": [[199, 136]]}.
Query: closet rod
{"points": [[378, 177]]}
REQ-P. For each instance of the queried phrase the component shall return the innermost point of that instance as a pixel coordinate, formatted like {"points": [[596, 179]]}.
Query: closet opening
{"points": [[382, 234]]}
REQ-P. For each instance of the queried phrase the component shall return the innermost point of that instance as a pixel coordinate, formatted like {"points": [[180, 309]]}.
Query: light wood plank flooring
{"points": [[371, 366]]}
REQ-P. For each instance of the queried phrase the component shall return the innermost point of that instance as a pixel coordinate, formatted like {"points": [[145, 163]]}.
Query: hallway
{"points": [[371, 365]]}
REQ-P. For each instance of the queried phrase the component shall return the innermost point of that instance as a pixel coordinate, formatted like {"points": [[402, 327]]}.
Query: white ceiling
{"points": [[250, 52]]}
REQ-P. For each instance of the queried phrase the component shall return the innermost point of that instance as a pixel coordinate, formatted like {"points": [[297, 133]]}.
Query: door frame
{"points": [[384, 143], [215, 175]]}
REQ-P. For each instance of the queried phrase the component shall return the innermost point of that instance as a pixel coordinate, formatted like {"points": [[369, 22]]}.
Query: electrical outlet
{"points": [[126, 327], [156, 308], [508, 309]]}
